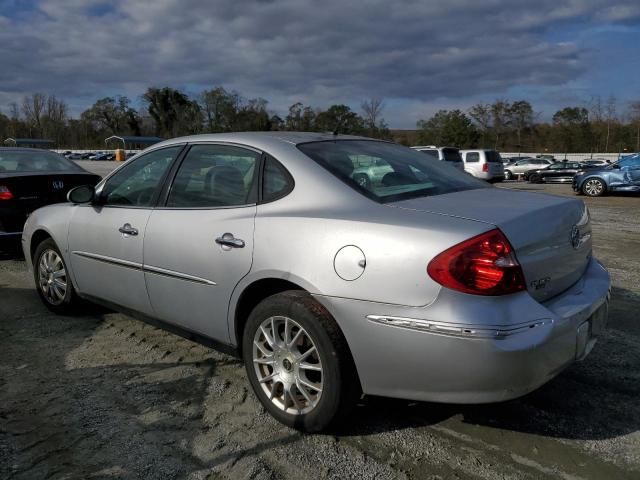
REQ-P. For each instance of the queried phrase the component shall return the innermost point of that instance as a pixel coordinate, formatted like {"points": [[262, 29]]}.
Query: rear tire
{"points": [[53, 283], [298, 362], [535, 178], [594, 187]]}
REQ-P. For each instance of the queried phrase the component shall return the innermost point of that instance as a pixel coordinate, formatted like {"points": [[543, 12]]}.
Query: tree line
{"points": [[167, 112], [598, 126]]}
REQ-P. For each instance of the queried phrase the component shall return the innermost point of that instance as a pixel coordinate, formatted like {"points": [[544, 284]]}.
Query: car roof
{"points": [[25, 149], [262, 140]]}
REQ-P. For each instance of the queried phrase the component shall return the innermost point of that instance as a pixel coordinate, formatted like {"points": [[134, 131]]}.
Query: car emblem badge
{"points": [[575, 237], [57, 184]]}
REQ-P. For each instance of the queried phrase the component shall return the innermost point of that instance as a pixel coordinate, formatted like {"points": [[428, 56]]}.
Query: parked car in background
{"points": [[596, 161], [88, 155], [558, 172], [446, 154], [483, 164], [66, 153], [524, 165], [76, 156], [30, 179], [547, 157], [511, 160], [265, 245], [104, 156], [622, 176]]}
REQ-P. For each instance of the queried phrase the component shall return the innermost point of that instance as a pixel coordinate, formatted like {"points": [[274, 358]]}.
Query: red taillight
{"points": [[485, 167], [5, 193], [482, 265]]}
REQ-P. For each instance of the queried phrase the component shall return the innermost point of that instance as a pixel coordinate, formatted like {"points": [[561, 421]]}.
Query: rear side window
{"points": [[452, 155], [276, 181], [215, 176], [431, 153], [472, 157], [493, 157]]}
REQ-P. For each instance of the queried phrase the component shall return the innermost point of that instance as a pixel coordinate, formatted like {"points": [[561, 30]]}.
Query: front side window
{"points": [[407, 174], [215, 176], [136, 184]]}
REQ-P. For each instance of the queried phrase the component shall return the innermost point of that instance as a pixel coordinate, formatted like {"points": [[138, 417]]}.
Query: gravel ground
{"points": [[105, 396]]}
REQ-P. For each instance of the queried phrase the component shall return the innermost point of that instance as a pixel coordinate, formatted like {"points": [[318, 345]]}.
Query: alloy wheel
{"points": [[287, 365], [593, 187], [52, 277]]}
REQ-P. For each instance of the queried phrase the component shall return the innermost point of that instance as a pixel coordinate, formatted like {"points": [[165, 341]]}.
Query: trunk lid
{"points": [[551, 235]]}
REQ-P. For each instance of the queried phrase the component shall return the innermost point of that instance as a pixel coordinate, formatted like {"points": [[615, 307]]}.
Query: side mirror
{"points": [[81, 194], [615, 165]]}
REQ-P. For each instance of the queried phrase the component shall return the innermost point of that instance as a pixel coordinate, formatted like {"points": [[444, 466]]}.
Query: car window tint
{"points": [[214, 176], [404, 172], [473, 157], [137, 182], [276, 182], [35, 161], [493, 157], [452, 155], [431, 153]]}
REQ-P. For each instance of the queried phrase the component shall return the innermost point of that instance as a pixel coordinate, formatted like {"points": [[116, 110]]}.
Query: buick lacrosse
{"points": [[423, 284]]}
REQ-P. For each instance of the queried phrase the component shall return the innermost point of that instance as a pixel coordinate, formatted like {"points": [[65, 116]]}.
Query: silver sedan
{"points": [[419, 285]]}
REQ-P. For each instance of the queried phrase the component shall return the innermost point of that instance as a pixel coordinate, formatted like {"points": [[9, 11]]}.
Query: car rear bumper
{"points": [[470, 349]]}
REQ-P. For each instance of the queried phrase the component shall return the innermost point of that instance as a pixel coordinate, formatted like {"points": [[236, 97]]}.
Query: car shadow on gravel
{"points": [[595, 399]]}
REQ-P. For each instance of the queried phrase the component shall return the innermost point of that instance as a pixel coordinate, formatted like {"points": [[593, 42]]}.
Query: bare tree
{"points": [[610, 117], [372, 112], [634, 116], [32, 108]]}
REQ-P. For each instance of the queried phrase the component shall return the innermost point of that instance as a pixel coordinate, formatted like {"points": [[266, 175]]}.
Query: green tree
{"points": [[115, 115], [300, 118], [572, 128], [340, 118], [448, 128], [173, 112]]}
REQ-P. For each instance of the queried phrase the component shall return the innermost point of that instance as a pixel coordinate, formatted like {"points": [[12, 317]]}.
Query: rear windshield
{"points": [[387, 172], [452, 155], [493, 156], [30, 161]]}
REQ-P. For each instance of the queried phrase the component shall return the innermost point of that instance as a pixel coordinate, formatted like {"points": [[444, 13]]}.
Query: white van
{"points": [[446, 154], [483, 164]]}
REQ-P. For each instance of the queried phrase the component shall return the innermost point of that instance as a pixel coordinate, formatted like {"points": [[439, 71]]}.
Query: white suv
{"points": [[447, 154], [483, 164]]}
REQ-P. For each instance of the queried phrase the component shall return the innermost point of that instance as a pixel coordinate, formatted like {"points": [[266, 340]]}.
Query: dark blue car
{"points": [[622, 176]]}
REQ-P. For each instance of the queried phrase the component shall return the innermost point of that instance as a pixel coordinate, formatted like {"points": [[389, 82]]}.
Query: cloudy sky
{"points": [[419, 55]]}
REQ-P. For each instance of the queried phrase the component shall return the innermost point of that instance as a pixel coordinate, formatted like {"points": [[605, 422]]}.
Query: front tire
{"points": [[298, 362], [594, 187], [508, 175], [53, 283], [535, 178], [363, 180]]}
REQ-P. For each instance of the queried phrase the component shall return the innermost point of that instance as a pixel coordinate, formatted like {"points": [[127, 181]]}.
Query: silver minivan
{"points": [[483, 164]]}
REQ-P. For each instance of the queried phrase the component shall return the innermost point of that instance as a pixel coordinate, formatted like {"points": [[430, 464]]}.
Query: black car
{"points": [[560, 172], [33, 178]]}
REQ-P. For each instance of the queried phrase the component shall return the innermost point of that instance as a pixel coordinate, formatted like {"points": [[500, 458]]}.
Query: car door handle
{"points": [[127, 229], [228, 240]]}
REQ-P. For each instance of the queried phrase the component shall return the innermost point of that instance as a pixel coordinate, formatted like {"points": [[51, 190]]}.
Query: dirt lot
{"points": [[105, 396]]}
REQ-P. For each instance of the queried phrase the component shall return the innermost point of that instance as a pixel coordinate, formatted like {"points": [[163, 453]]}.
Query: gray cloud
{"points": [[286, 49]]}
